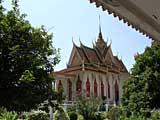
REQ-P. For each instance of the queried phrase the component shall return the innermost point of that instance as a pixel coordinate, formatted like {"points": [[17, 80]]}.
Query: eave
{"points": [[130, 12]]}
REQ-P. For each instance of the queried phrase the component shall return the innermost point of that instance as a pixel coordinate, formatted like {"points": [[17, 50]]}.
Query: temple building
{"points": [[92, 72]]}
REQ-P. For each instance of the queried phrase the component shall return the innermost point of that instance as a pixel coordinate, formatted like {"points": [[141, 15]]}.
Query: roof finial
{"points": [[73, 42], [93, 44], [80, 42], [110, 42], [99, 24], [100, 32]]}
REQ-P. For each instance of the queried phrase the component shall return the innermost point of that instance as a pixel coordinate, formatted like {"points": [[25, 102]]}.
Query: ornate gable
{"points": [[75, 58], [109, 58], [90, 54]]}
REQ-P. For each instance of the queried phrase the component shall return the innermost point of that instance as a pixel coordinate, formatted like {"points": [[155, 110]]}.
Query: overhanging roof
{"points": [[143, 15]]}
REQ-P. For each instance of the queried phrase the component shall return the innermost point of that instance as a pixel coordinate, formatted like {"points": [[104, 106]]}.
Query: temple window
{"points": [[78, 87], [95, 88], [108, 90], [88, 88], [116, 91], [102, 88]]}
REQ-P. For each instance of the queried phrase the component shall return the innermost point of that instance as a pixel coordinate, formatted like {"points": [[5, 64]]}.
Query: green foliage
{"points": [[99, 116], [87, 107], [80, 117], [38, 115], [8, 116], [108, 114], [57, 98], [61, 114], [27, 56], [27, 76], [73, 115], [131, 118], [155, 115], [141, 91], [115, 112], [2, 110]]}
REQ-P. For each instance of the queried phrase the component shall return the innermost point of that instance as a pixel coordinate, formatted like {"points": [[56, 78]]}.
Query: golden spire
{"points": [[100, 33], [100, 41]]}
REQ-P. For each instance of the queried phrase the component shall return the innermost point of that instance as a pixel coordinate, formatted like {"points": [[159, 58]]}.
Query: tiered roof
{"points": [[99, 58]]}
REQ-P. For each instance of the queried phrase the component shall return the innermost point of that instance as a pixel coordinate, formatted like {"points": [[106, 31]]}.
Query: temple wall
{"points": [[110, 78]]}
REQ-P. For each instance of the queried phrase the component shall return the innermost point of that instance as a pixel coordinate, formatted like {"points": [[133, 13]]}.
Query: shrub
{"points": [[23, 116], [146, 113], [80, 117], [61, 114], [73, 115], [108, 115], [3, 110], [99, 116], [155, 115], [38, 115], [115, 112], [87, 107], [131, 118], [8, 116]]}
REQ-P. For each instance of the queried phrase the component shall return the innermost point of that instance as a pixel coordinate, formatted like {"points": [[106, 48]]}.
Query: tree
{"points": [[142, 90], [26, 57]]}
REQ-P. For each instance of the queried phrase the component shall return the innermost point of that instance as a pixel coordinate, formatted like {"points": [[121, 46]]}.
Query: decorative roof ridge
{"points": [[93, 45], [82, 48], [69, 69], [121, 63], [98, 53], [106, 47], [93, 49], [73, 42]]}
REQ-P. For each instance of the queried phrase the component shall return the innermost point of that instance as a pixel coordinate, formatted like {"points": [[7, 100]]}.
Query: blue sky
{"points": [[80, 19]]}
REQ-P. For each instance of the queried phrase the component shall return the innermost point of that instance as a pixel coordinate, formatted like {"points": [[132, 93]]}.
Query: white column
{"points": [[105, 85], [91, 84], [98, 85], [74, 88], [56, 85], [111, 88]]}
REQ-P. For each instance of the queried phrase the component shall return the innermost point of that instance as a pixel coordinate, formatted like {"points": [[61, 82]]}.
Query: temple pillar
{"points": [[111, 88], [74, 89], [105, 85], [65, 87], [91, 80], [98, 85]]}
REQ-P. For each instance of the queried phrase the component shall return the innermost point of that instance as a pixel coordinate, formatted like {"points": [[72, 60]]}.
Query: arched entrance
{"points": [[78, 87]]}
